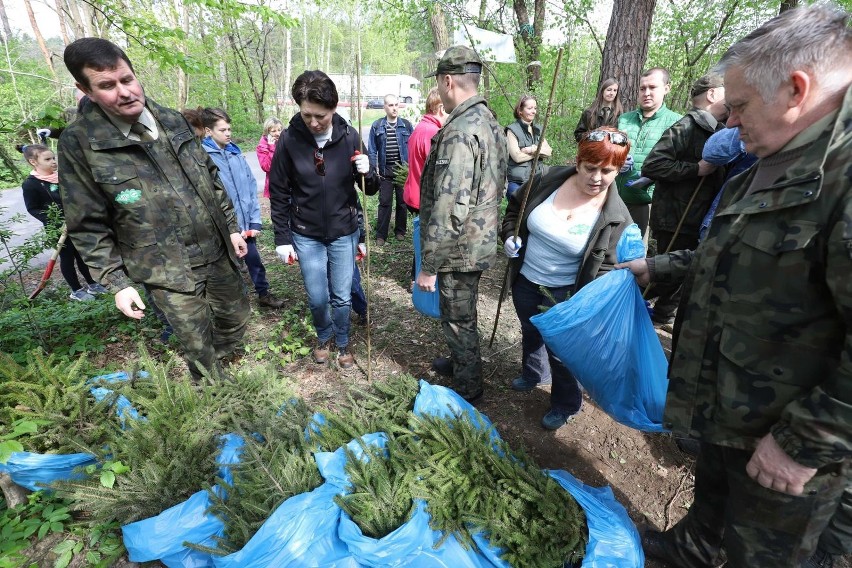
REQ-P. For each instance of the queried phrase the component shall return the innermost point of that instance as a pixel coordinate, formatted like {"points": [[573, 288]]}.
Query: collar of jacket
{"points": [[432, 119], [104, 135], [384, 122], [536, 130], [556, 176], [463, 106], [339, 129], [704, 119], [654, 116], [231, 148]]}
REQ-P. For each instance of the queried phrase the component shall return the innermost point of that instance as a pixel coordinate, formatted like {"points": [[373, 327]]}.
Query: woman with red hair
{"points": [[566, 238]]}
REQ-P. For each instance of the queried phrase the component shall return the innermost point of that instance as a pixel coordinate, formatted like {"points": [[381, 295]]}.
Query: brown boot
{"points": [[270, 301], [345, 359], [321, 353]]}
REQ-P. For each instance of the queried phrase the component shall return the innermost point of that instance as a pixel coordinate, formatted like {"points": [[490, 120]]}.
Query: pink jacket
{"points": [[419, 145], [265, 151]]}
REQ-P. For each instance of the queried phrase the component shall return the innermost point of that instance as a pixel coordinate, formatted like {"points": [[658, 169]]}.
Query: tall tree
{"points": [[787, 5], [7, 29], [63, 26], [626, 47], [530, 35], [40, 38], [438, 23]]}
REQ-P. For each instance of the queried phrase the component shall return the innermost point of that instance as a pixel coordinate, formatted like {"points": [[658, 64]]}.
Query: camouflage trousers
{"points": [[211, 322], [754, 525], [837, 537], [459, 292]]}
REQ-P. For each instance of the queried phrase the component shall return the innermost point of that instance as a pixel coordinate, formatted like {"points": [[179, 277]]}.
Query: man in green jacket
{"points": [[460, 193], [683, 178], [144, 205], [761, 365], [644, 126]]}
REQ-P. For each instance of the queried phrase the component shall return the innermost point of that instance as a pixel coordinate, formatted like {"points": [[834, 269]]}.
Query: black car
{"points": [[376, 103]]}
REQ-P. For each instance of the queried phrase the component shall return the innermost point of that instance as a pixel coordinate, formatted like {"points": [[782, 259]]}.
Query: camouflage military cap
{"points": [[458, 60], [709, 81]]}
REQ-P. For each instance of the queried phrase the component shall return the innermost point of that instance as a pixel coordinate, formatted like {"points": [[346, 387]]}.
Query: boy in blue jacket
{"points": [[241, 186]]}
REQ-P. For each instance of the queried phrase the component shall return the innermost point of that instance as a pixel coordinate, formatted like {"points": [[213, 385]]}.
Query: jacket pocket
{"points": [[757, 378], [121, 184], [786, 236]]}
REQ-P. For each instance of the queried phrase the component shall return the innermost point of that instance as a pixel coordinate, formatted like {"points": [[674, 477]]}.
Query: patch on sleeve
{"points": [[127, 196], [442, 162]]}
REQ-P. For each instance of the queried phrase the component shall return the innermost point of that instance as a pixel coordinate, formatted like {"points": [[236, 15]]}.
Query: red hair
{"points": [[604, 153]]}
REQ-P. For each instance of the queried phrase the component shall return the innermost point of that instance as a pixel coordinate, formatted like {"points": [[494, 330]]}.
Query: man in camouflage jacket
{"points": [[143, 204], [761, 367], [460, 193]]}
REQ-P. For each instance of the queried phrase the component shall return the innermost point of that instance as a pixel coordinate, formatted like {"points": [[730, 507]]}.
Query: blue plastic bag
{"points": [[427, 303], [162, 537], [123, 407], [604, 336]]}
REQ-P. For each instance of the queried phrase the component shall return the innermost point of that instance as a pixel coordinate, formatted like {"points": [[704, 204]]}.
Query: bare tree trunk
{"points": [[63, 27], [13, 494], [787, 5], [7, 29], [305, 35], [626, 47], [39, 38], [76, 15], [531, 35], [440, 36], [182, 79]]}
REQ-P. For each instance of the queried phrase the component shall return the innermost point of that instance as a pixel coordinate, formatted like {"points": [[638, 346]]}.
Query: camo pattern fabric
{"points": [[461, 189], [459, 292], [143, 212], [765, 338]]}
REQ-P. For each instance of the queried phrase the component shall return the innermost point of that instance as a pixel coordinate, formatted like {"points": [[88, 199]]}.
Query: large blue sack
{"points": [[427, 303], [613, 538], [604, 336], [162, 537]]}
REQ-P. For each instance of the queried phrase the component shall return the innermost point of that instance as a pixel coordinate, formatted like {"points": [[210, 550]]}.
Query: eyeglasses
{"points": [[618, 138], [319, 162]]}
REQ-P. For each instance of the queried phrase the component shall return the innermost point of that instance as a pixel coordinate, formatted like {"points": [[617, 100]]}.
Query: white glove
{"points": [[362, 164], [628, 165], [286, 253], [43, 133], [362, 249], [512, 246]]}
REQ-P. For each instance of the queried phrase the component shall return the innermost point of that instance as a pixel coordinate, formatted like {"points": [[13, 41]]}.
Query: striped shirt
{"points": [[392, 146]]}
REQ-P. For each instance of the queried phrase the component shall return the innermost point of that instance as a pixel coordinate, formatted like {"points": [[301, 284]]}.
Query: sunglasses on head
{"points": [[615, 137], [319, 162]]}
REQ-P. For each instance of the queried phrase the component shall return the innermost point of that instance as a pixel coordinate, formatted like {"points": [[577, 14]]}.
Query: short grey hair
{"points": [[815, 39]]}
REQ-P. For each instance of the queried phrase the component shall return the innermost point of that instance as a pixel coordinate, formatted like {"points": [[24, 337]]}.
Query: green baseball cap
{"points": [[458, 60]]}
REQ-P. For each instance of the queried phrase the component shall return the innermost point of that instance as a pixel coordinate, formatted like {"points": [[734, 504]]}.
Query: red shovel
{"points": [[51, 263]]}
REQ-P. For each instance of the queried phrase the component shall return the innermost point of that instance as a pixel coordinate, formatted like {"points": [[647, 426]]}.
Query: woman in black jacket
{"points": [[312, 184], [566, 238], [604, 111], [41, 190]]}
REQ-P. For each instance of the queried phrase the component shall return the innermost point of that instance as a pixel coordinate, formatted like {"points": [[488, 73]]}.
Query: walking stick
{"points": [[527, 186], [677, 230], [51, 263], [365, 216]]}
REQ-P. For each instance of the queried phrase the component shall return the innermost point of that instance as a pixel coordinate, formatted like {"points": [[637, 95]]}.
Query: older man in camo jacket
{"points": [[761, 368], [144, 204], [460, 193]]}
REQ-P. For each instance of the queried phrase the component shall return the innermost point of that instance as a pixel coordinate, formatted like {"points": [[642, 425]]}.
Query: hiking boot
{"points": [[320, 353], [556, 419], [345, 359], [400, 237], [81, 295], [819, 559], [96, 289], [524, 385], [380, 242], [270, 301], [443, 366], [689, 446], [657, 545]]}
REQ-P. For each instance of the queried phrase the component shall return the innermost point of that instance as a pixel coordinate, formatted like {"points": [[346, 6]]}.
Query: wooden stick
{"points": [[366, 278], [526, 189]]}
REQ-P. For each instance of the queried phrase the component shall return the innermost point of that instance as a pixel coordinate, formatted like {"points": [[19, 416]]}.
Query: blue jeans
{"points": [[255, 267], [538, 361], [327, 273], [512, 188], [359, 299]]}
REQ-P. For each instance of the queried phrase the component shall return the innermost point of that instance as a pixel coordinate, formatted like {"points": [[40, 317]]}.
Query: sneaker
{"points": [[443, 366], [523, 385], [819, 559], [81, 295], [270, 301], [95, 289], [380, 242], [556, 419], [320, 353], [400, 237], [345, 359]]}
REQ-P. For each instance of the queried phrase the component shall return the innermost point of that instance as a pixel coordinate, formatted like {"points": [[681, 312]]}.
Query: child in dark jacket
{"points": [[241, 186], [41, 190]]}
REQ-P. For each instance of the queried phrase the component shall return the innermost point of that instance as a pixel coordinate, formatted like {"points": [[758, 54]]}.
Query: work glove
{"points": [[512, 246], [43, 133], [250, 233], [639, 183], [286, 253], [362, 251], [362, 163], [628, 165]]}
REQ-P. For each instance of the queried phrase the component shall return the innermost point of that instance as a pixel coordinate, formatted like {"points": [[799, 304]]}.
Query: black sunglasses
{"points": [[618, 138], [319, 162]]}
